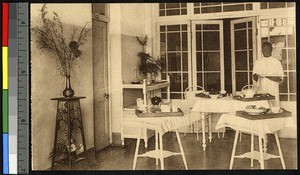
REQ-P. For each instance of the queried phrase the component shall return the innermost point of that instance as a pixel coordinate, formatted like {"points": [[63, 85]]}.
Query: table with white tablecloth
{"points": [[259, 127], [220, 105]]}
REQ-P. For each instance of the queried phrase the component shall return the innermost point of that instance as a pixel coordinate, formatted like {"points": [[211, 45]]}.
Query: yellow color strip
{"points": [[5, 67]]}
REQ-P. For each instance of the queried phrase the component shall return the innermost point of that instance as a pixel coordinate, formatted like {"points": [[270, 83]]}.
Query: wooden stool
{"points": [[261, 155], [157, 153]]}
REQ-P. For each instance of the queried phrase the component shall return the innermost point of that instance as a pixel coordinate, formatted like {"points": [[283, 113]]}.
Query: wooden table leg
{"points": [[265, 143], [137, 149], [233, 149], [279, 150], [146, 138], [261, 156], [181, 149], [156, 147], [203, 131], [162, 166]]}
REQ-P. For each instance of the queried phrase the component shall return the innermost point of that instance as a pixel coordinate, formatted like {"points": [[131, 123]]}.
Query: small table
{"points": [[254, 126], [221, 105], [69, 116], [160, 125]]}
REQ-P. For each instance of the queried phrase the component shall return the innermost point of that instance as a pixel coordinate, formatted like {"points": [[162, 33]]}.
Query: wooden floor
{"points": [[216, 156]]}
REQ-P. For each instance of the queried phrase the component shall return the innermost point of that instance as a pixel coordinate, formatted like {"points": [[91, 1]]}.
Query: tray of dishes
{"points": [[156, 112], [256, 97], [258, 114]]}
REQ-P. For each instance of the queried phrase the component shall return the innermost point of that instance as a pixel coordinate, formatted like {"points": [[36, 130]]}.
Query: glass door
{"points": [[243, 51], [208, 54]]}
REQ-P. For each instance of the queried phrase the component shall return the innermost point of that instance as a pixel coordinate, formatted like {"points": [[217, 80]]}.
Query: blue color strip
{"points": [[5, 154]]}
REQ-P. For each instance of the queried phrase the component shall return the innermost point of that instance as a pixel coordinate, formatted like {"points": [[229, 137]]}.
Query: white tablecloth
{"points": [[259, 127], [164, 124]]}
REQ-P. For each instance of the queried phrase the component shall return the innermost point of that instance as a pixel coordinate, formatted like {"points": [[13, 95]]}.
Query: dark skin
{"points": [[267, 52]]}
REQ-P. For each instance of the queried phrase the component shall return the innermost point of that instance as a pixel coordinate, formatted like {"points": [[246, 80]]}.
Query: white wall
{"points": [[46, 83]]}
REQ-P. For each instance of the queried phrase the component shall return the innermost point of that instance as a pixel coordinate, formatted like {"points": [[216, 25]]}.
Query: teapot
{"points": [[248, 91], [155, 100]]}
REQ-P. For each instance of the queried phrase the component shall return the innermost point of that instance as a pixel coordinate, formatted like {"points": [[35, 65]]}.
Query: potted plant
{"points": [[51, 39], [148, 66]]}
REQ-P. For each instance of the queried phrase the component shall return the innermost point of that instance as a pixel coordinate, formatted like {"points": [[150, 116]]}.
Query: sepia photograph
{"points": [[163, 86]]}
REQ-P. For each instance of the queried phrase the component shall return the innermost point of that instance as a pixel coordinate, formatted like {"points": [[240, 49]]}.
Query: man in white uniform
{"points": [[267, 65]]}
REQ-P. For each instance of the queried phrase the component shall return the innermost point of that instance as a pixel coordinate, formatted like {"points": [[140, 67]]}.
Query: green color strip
{"points": [[5, 110]]}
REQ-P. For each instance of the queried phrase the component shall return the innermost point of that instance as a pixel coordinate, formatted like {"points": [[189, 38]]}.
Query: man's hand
{"points": [[255, 77]]}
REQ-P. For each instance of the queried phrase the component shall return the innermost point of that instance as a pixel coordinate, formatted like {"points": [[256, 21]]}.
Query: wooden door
{"points": [[100, 84]]}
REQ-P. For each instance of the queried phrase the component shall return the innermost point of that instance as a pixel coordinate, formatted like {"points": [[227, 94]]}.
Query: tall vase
{"points": [[68, 92]]}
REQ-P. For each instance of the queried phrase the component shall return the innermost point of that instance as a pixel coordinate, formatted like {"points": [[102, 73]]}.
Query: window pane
{"points": [[173, 40], [210, 3], [240, 25], [173, 12], [249, 7], [183, 12], [198, 41], [164, 77], [196, 4], [250, 44], [278, 40], [276, 4], [162, 42], [211, 61], [263, 5], [241, 60], [211, 9], [291, 40], [162, 28], [293, 97], [161, 5], [184, 27], [250, 78], [163, 57], [212, 82], [173, 28], [199, 61], [210, 26], [175, 95], [162, 13], [172, 5], [241, 80], [283, 97], [284, 59], [183, 4], [185, 81], [184, 41], [196, 10], [292, 60], [233, 8], [175, 82], [292, 82], [251, 60], [185, 61], [290, 4], [211, 41], [174, 62], [240, 40], [283, 85], [199, 80]]}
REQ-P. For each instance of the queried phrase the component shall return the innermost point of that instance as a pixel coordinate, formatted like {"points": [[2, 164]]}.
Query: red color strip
{"points": [[4, 24]]}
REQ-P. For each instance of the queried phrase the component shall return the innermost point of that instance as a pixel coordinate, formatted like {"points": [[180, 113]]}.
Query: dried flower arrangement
{"points": [[50, 37], [148, 64]]}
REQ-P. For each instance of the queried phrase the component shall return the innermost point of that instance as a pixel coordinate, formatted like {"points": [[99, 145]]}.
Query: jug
{"points": [[248, 91]]}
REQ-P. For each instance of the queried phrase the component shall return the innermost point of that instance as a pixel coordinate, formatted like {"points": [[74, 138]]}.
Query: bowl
{"points": [[254, 111]]}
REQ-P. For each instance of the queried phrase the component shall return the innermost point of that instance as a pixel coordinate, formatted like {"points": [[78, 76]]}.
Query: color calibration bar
{"points": [[5, 88]]}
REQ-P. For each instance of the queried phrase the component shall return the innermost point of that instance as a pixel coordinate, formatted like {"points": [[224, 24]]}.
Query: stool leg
{"points": [[223, 134], [233, 149], [261, 157], [137, 148], [240, 136], [252, 148], [82, 131], [218, 134], [162, 166], [156, 147], [209, 128], [203, 131], [265, 143], [279, 150], [181, 149]]}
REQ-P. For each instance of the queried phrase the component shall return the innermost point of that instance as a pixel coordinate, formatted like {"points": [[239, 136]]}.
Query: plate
{"points": [[254, 111]]}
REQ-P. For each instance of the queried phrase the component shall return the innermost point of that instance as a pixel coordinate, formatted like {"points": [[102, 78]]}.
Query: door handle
{"points": [[105, 95]]}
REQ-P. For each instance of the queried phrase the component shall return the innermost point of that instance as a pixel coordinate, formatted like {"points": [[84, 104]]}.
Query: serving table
{"points": [[221, 105], [160, 125], [255, 125]]}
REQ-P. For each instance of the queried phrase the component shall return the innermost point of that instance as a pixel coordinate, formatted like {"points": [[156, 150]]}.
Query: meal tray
{"points": [[158, 114], [257, 97], [244, 114]]}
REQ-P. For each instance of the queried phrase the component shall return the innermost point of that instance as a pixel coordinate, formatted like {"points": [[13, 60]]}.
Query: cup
{"points": [[275, 109], [142, 107], [174, 108]]}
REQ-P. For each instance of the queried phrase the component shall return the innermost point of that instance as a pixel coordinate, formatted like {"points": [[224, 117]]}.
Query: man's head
{"points": [[266, 49]]}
